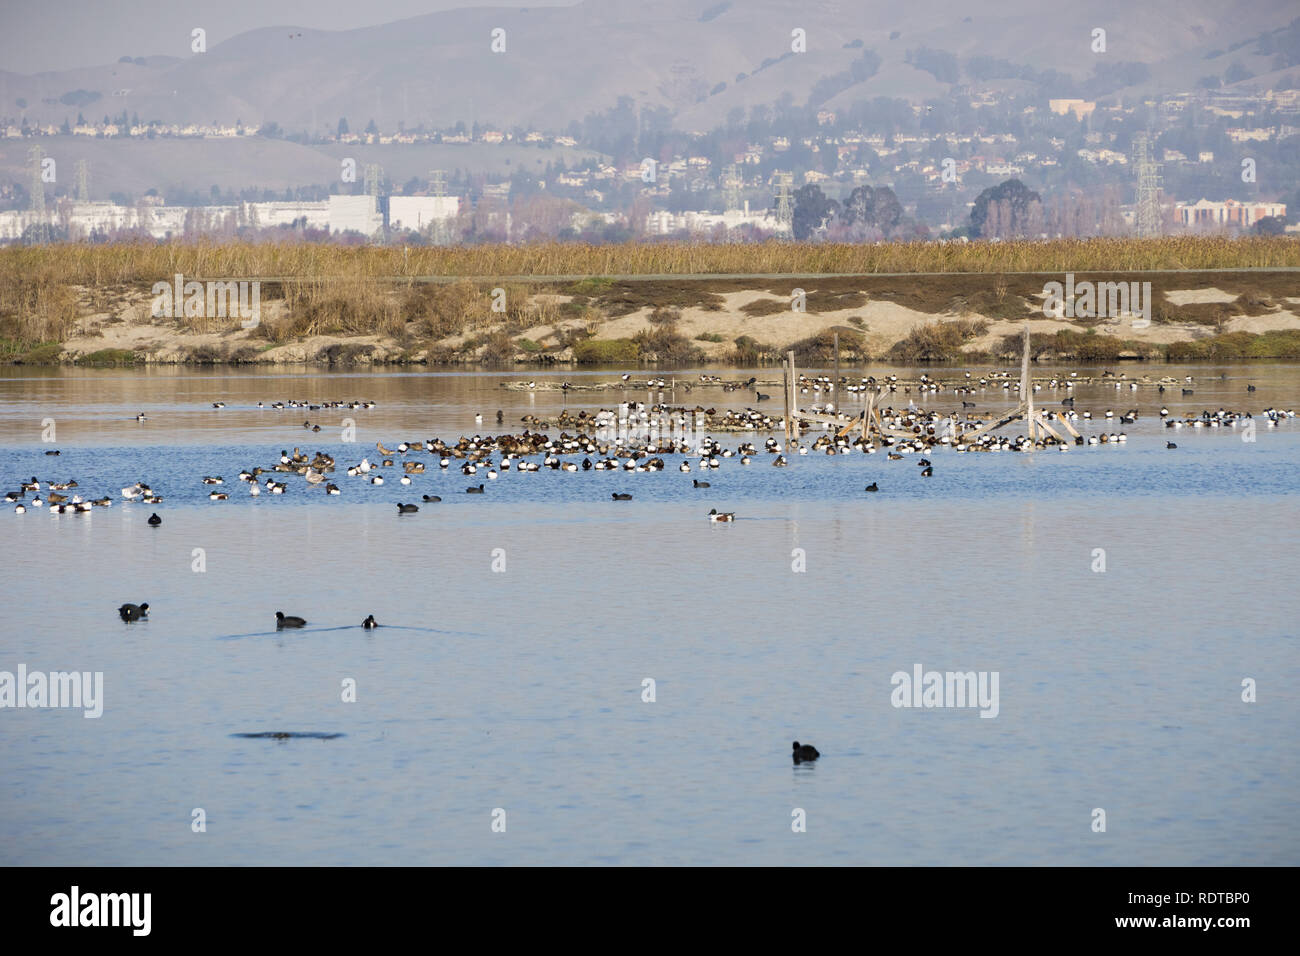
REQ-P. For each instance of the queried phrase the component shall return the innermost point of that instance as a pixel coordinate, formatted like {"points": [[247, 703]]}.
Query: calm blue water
{"points": [[521, 689]]}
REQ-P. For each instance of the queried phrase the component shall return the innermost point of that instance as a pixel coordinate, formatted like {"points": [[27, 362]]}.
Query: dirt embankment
{"points": [[909, 318]]}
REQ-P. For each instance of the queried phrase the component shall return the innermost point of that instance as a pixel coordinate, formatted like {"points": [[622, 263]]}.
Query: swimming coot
{"points": [[133, 612], [804, 752]]}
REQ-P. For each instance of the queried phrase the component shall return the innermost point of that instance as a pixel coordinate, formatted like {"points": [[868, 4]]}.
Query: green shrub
{"points": [[109, 357], [47, 354], [606, 352]]}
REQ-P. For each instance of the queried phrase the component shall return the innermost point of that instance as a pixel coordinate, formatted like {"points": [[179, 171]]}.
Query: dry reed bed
{"points": [[132, 263]]}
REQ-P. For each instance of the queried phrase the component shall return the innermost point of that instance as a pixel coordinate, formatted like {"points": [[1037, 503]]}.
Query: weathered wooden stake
{"points": [[1027, 388], [794, 396], [785, 391], [835, 384]]}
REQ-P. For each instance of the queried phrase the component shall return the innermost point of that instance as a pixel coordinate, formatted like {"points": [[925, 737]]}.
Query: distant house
{"points": [[1080, 108]]}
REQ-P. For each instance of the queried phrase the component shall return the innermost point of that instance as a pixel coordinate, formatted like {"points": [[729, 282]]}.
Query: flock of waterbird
{"points": [[910, 430], [637, 447]]}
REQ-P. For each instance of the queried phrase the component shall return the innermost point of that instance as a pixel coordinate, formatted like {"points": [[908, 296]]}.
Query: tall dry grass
{"points": [[36, 304], [98, 265]]}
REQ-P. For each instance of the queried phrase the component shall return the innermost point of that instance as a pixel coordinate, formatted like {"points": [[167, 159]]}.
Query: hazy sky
{"points": [[38, 35]]}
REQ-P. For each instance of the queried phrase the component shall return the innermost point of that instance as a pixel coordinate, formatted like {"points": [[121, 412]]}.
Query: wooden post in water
{"points": [[794, 397], [785, 391], [835, 384], [1027, 388]]}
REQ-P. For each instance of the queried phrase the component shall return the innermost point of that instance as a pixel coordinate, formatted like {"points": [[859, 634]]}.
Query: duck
{"points": [[288, 620], [19, 509], [330, 489], [133, 612], [474, 491], [871, 487], [407, 509], [700, 484], [621, 497], [802, 752], [432, 498], [370, 623], [140, 417], [927, 471], [1170, 444], [218, 496], [154, 520], [716, 515]]}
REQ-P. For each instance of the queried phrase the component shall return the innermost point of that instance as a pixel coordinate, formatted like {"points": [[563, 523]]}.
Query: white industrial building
{"points": [[355, 214], [337, 214], [315, 215], [663, 223], [419, 212]]}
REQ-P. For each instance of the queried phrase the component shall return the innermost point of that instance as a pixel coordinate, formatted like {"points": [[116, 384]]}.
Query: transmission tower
{"points": [[83, 180], [784, 198], [1147, 207], [38, 187], [438, 188], [730, 188], [374, 174]]}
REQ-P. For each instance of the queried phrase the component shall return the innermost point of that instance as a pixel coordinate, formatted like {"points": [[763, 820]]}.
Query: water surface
{"points": [[521, 689]]}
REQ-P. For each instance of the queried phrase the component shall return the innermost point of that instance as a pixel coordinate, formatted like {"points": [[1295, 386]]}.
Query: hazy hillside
{"points": [[700, 59], [174, 166]]}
